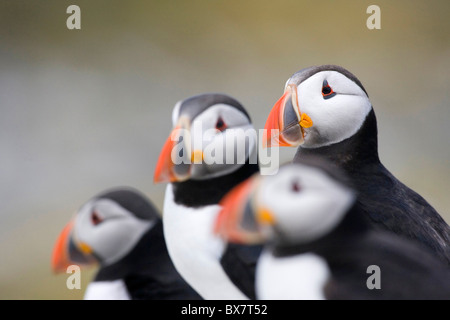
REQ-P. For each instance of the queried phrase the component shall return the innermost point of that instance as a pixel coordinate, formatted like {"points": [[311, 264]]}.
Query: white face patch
{"points": [[305, 202], [224, 151], [336, 118], [115, 235]]}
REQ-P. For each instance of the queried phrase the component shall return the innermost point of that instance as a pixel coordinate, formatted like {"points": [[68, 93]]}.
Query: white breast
{"points": [[107, 290], [195, 250], [300, 277]]}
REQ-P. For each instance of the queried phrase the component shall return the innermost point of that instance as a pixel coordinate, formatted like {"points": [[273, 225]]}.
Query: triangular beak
{"points": [[170, 166], [68, 251], [60, 256], [164, 166], [236, 221], [274, 124], [285, 123]]}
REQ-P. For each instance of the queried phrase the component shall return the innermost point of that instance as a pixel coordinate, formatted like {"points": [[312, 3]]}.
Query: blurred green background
{"points": [[84, 110]]}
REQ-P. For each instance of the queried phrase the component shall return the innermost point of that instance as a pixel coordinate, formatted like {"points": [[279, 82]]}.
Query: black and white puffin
{"points": [[122, 231], [326, 111], [211, 149], [319, 246]]}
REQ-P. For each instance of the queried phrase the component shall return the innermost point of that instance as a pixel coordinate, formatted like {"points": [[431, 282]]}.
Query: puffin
{"points": [[121, 231], [326, 111], [317, 244], [211, 149]]}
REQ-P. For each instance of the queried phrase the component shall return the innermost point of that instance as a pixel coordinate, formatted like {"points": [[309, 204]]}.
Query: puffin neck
{"points": [[347, 232], [197, 193], [355, 152]]}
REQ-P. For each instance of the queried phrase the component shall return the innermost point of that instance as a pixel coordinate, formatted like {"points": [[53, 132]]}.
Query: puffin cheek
{"points": [[214, 151]]}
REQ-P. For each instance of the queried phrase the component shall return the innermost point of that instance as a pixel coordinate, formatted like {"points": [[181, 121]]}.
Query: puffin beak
{"points": [[67, 252], [236, 221], [60, 256], [174, 163], [164, 167], [285, 124]]}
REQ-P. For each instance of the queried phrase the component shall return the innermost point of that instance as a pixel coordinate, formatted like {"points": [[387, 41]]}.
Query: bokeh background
{"points": [[84, 110]]}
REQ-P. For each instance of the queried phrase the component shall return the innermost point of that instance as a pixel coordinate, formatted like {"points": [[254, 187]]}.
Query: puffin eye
{"points": [[95, 218], [295, 187], [327, 92], [221, 125]]}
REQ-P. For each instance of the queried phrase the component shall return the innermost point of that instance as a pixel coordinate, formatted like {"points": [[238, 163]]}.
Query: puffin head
{"points": [[320, 106], [302, 203], [105, 229], [212, 136]]}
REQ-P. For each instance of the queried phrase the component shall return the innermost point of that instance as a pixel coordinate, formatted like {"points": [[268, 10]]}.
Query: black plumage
{"points": [[195, 105], [196, 193], [148, 271], [132, 200]]}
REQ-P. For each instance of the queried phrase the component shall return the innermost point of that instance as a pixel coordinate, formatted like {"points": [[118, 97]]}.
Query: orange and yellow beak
{"points": [[164, 171], [285, 124], [176, 159], [236, 222], [60, 256], [67, 252]]}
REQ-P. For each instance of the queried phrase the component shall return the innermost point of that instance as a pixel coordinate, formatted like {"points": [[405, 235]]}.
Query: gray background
{"points": [[84, 110]]}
